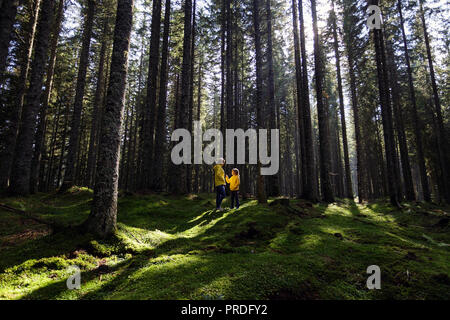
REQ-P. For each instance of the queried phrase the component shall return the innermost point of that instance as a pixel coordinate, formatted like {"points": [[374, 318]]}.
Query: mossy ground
{"points": [[169, 247]]}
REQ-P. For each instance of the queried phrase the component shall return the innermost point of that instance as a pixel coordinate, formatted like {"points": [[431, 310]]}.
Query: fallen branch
{"points": [[54, 225]]}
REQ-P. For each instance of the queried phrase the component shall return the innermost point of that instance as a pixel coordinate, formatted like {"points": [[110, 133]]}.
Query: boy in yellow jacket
{"points": [[219, 182], [234, 182]]}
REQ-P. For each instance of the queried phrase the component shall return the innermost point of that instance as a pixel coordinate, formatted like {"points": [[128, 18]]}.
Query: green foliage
{"points": [[169, 247]]}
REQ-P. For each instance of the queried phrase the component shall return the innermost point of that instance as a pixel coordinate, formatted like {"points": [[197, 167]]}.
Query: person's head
{"points": [[235, 171], [220, 161]]}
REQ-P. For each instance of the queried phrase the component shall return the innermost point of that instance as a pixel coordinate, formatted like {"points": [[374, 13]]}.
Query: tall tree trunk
{"points": [[50, 171], [129, 155], [324, 135], [103, 217], [300, 136], [63, 147], [161, 119], [310, 185], [20, 173], [340, 178], [386, 112], [98, 102], [74, 138], [360, 165], [150, 105], [229, 107], [125, 148], [222, 66], [274, 188], [229, 61], [26, 50], [137, 172], [442, 141], [298, 161], [40, 134], [416, 120], [261, 193], [191, 95], [183, 112], [348, 179], [197, 118], [398, 115]]}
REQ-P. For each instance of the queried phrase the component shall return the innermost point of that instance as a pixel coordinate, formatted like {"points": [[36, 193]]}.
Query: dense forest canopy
{"points": [[91, 91]]}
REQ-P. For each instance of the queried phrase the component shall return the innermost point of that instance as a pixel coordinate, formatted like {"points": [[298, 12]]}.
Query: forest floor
{"points": [[169, 247]]}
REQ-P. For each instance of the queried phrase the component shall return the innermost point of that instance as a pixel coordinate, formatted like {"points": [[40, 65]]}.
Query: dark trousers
{"points": [[220, 195], [235, 197]]}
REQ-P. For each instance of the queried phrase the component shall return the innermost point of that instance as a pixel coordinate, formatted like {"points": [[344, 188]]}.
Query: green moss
{"points": [[174, 247]]}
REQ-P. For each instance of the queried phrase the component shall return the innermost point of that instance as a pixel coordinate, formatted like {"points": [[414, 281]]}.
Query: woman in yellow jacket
{"points": [[234, 182], [219, 182]]}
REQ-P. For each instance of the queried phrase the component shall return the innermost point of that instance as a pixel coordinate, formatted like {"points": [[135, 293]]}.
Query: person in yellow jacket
{"points": [[234, 182], [219, 182]]}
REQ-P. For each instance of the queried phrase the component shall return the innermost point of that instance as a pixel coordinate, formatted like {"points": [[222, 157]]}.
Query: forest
{"points": [[91, 93]]}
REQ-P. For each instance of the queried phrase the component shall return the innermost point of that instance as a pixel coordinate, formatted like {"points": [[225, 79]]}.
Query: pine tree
{"points": [[416, 120], [386, 110], [98, 106], [161, 118], [273, 183], [26, 50], [261, 194], [150, 104], [348, 179], [310, 185], [442, 140], [103, 217], [74, 138], [20, 173], [39, 144], [325, 157]]}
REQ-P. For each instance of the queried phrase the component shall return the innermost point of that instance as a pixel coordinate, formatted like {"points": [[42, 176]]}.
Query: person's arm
{"points": [[227, 179]]}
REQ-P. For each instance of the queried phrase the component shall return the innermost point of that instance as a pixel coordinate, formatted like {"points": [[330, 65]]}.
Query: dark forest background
{"points": [[90, 92]]}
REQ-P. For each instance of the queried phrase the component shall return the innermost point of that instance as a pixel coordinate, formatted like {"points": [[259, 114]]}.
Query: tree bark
{"points": [[348, 179], [26, 50], [400, 127], [161, 118], [103, 217], [273, 181], [40, 134], [310, 185], [98, 103], [197, 118], [261, 193], [183, 112], [20, 173], [74, 138], [416, 120], [301, 165], [324, 135], [360, 166], [222, 67], [191, 95], [386, 112], [442, 140], [150, 104]]}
